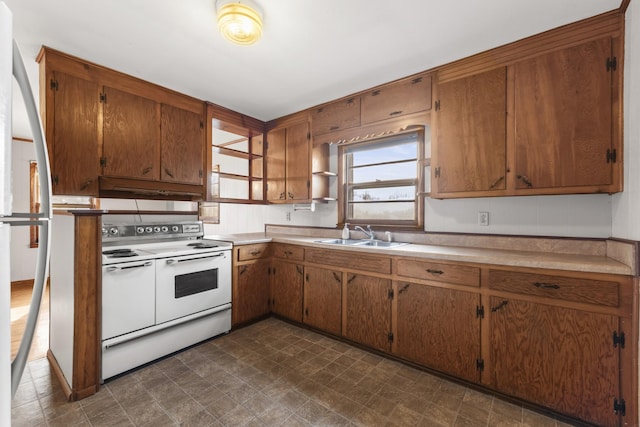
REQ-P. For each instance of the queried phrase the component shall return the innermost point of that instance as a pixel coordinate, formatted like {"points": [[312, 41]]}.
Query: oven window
{"points": [[194, 283]]}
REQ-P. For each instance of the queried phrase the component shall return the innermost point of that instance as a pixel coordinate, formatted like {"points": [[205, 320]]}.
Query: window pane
{"points": [[405, 148], [407, 192], [382, 211], [385, 172]]}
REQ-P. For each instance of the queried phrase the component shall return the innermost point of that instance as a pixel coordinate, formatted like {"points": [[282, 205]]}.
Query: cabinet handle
{"points": [[288, 253], [337, 277], [168, 172], [404, 288], [86, 185], [352, 278], [499, 306], [334, 128], [416, 80], [306, 277], [291, 195], [299, 269], [496, 183], [525, 180], [375, 93], [254, 253], [243, 269], [436, 272], [147, 170], [395, 113], [282, 195], [546, 285]]}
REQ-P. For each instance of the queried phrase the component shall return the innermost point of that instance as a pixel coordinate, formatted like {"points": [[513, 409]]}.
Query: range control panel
{"points": [[112, 232]]}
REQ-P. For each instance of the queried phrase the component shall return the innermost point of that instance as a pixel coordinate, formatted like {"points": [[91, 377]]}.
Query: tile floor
{"points": [[268, 374]]}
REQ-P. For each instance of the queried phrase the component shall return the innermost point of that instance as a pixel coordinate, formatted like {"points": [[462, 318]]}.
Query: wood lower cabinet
{"points": [[286, 289], [252, 292], [323, 299], [367, 310], [439, 328], [557, 357]]}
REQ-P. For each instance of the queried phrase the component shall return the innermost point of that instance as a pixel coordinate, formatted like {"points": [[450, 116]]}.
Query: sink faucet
{"points": [[368, 232]]}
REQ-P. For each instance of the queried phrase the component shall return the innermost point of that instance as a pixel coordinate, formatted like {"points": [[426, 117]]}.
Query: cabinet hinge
{"points": [[390, 294], [103, 162], [611, 155], [266, 145], [200, 173], [269, 271], [390, 337], [103, 98], [619, 407], [480, 364], [55, 180], [308, 184], [416, 80], [53, 84], [437, 172], [201, 124], [618, 339], [308, 136], [612, 64], [480, 311], [437, 105]]}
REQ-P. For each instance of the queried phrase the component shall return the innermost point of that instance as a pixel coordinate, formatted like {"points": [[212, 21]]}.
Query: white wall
{"points": [[23, 258], [626, 205]]}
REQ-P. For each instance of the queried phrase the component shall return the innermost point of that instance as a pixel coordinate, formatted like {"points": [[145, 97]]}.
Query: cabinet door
{"points": [[131, 135], [557, 357], [75, 156], [335, 116], [286, 289], [470, 146], [276, 169], [439, 328], [397, 99], [323, 299], [182, 146], [251, 296], [298, 164], [563, 107], [368, 311]]}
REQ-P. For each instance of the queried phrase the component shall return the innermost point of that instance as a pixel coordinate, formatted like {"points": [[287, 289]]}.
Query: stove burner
{"points": [[120, 253], [202, 245]]}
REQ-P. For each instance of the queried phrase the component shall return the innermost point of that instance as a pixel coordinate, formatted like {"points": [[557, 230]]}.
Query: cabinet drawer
{"points": [[457, 274], [566, 288], [295, 253], [335, 116], [248, 252], [397, 99], [337, 258]]}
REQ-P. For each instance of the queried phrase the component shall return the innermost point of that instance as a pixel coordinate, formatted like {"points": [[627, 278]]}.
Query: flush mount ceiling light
{"points": [[239, 21]]}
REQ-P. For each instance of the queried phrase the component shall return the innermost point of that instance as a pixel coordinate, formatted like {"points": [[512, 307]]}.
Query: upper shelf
{"points": [[235, 153]]}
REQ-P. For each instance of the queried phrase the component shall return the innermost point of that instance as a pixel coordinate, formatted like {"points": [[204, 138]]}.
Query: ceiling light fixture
{"points": [[239, 21]]}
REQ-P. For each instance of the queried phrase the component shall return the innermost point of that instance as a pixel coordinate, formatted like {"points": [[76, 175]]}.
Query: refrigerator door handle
{"points": [[42, 259]]}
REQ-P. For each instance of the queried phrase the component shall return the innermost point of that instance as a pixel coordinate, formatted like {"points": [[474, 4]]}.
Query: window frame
{"points": [[343, 206]]}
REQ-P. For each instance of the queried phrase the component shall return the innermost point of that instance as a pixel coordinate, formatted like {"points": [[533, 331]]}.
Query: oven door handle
{"points": [[114, 268], [175, 261]]}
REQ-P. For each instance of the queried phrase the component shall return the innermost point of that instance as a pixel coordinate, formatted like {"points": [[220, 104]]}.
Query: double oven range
{"points": [[164, 288]]}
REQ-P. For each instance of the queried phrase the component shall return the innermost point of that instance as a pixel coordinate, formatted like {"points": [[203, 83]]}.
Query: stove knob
{"points": [[113, 231], [165, 229], [175, 228], [156, 229], [140, 230], [148, 229], [105, 232]]}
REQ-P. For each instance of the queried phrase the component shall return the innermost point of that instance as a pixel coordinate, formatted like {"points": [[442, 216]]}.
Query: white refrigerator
{"points": [[12, 67]]}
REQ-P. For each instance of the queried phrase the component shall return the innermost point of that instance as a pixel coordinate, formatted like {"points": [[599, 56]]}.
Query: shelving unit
{"points": [[324, 176]]}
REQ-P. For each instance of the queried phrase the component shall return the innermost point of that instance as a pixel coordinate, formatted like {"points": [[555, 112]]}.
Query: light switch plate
{"points": [[483, 218]]}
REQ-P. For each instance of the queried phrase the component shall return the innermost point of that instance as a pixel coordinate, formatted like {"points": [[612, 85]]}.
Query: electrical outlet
{"points": [[288, 217], [483, 218]]}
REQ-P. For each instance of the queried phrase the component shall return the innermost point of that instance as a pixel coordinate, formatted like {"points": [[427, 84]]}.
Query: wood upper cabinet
{"points": [[252, 293], [323, 299], [131, 131], [397, 99], [181, 145], [339, 115], [367, 310], [71, 127], [469, 149], [438, 328], [557, 357], [286, 289], [563, 119], [289, 164]]}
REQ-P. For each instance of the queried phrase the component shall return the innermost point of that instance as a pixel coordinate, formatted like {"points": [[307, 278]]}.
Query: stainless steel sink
{"points": [[362, 242]]}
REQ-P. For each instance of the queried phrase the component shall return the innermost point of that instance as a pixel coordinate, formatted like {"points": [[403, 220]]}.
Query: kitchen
{"points": [[586, 216]]}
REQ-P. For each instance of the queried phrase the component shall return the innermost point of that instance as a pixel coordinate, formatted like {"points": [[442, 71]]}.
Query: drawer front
{"points": [[295, 253], [248, 252], [343, 259], [397, 99], [566, 288], [449, 273]]}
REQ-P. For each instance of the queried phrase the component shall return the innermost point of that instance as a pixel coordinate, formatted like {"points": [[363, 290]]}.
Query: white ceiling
{"points": [[312, 51]]}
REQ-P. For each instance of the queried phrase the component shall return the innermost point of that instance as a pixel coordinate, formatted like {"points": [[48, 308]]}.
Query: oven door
{"points": [[192, 283], [128, 295]]}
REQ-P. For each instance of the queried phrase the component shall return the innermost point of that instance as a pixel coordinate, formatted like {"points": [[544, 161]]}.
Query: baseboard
{"points": [[59, 375]]}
